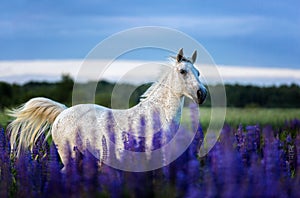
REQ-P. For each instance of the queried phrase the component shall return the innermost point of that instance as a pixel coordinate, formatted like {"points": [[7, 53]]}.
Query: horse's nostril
{"points": [[198, 94], [201, 95]]}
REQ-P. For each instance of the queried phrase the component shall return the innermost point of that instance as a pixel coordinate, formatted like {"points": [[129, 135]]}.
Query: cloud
{"points": [[204, 25], [136, 72], [236, 32], [37, 25], [259, 75]]}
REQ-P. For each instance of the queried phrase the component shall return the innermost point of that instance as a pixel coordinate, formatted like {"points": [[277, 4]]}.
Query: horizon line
{"points": [[22, 71]]}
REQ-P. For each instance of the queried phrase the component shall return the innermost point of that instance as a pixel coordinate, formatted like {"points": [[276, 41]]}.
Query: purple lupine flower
{"points": [[5, 165], [195, 192], [296, 179], [241, 144], [54, 186], [110, 136], [141, 141], [271, 161], [294, 124], [215, 158], [40, 148], [104, 153], [157, 141], [196, 143], [221, 173], [72, 176], [231, 166], [254, 182], [112, 180], [193, 171], [3, 141], [181, 183], [297, 143], [126, 140], [24, 172], [208, 186], [110, 126], [194, 116], [253, 138], [37, 177], [40, 155], [283, 158], [90, 172]]}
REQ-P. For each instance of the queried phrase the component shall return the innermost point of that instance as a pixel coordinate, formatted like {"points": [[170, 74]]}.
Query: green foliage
{"points": [[237, 95], [6, 93], [283, 96], [135, 96], [63, 90], [3, 119], [15, 95]]}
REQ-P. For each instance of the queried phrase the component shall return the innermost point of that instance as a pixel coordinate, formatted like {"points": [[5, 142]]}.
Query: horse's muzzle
{"points": [[201, 95]]}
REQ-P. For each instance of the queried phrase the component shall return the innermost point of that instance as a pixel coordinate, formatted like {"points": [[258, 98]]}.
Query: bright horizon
{"points": [[138, 72]]}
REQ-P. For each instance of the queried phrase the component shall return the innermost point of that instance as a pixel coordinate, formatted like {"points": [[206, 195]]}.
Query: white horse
{"points": [[90, 122]]}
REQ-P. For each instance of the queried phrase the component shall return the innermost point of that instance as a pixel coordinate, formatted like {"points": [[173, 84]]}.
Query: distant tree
{"points": [[284, 96], [6, 94], [135, 96], [63, 90]]}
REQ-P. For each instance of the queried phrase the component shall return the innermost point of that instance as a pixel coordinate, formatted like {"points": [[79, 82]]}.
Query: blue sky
{"points": [[250, 33]]}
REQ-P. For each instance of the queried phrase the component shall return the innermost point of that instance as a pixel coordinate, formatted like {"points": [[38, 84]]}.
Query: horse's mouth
{"points": [[201, 96]]}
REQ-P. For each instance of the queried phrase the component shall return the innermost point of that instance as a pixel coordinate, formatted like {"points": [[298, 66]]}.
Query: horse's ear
{"points": [[179, 55], [194, 56]]}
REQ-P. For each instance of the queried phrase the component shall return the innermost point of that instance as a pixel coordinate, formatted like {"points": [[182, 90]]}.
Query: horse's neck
{"points": [[166, 102]]}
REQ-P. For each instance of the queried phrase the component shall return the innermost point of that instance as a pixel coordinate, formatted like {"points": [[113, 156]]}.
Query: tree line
{"points": [[11, 95]]}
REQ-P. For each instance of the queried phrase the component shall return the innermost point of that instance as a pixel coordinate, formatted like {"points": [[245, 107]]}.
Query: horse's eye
{"points": [[182, 71]]}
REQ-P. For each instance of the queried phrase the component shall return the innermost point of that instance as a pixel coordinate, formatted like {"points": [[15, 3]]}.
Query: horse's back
{"points": [[78, 123]]}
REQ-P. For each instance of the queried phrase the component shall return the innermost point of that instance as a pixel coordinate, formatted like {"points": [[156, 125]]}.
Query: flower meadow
{"points": [[246, 161]]}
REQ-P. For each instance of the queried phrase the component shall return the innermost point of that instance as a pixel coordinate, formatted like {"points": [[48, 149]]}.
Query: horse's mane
{"points": [[165, 71], [151, 90]]}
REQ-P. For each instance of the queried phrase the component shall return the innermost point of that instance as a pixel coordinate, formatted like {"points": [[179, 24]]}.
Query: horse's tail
{"points": [[32, 119]]}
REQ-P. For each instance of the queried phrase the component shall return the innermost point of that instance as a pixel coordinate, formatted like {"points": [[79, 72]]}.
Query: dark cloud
{"points": [[235, 32]]}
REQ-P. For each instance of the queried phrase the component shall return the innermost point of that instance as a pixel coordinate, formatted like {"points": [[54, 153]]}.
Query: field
{"points": [[247, 161], [275, 117], [234, 116], [3, 119]]}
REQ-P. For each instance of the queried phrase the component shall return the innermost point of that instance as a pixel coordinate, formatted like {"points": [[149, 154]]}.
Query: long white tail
{"points": [[32, 120]]}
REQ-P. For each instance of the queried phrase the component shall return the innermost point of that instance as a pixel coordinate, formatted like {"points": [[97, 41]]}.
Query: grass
{"points": [[234, 116], [4, 119], [251, 116], [274, 117]]}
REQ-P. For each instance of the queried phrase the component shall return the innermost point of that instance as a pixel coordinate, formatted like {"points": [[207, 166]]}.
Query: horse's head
{"points": [[187, 77]]}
